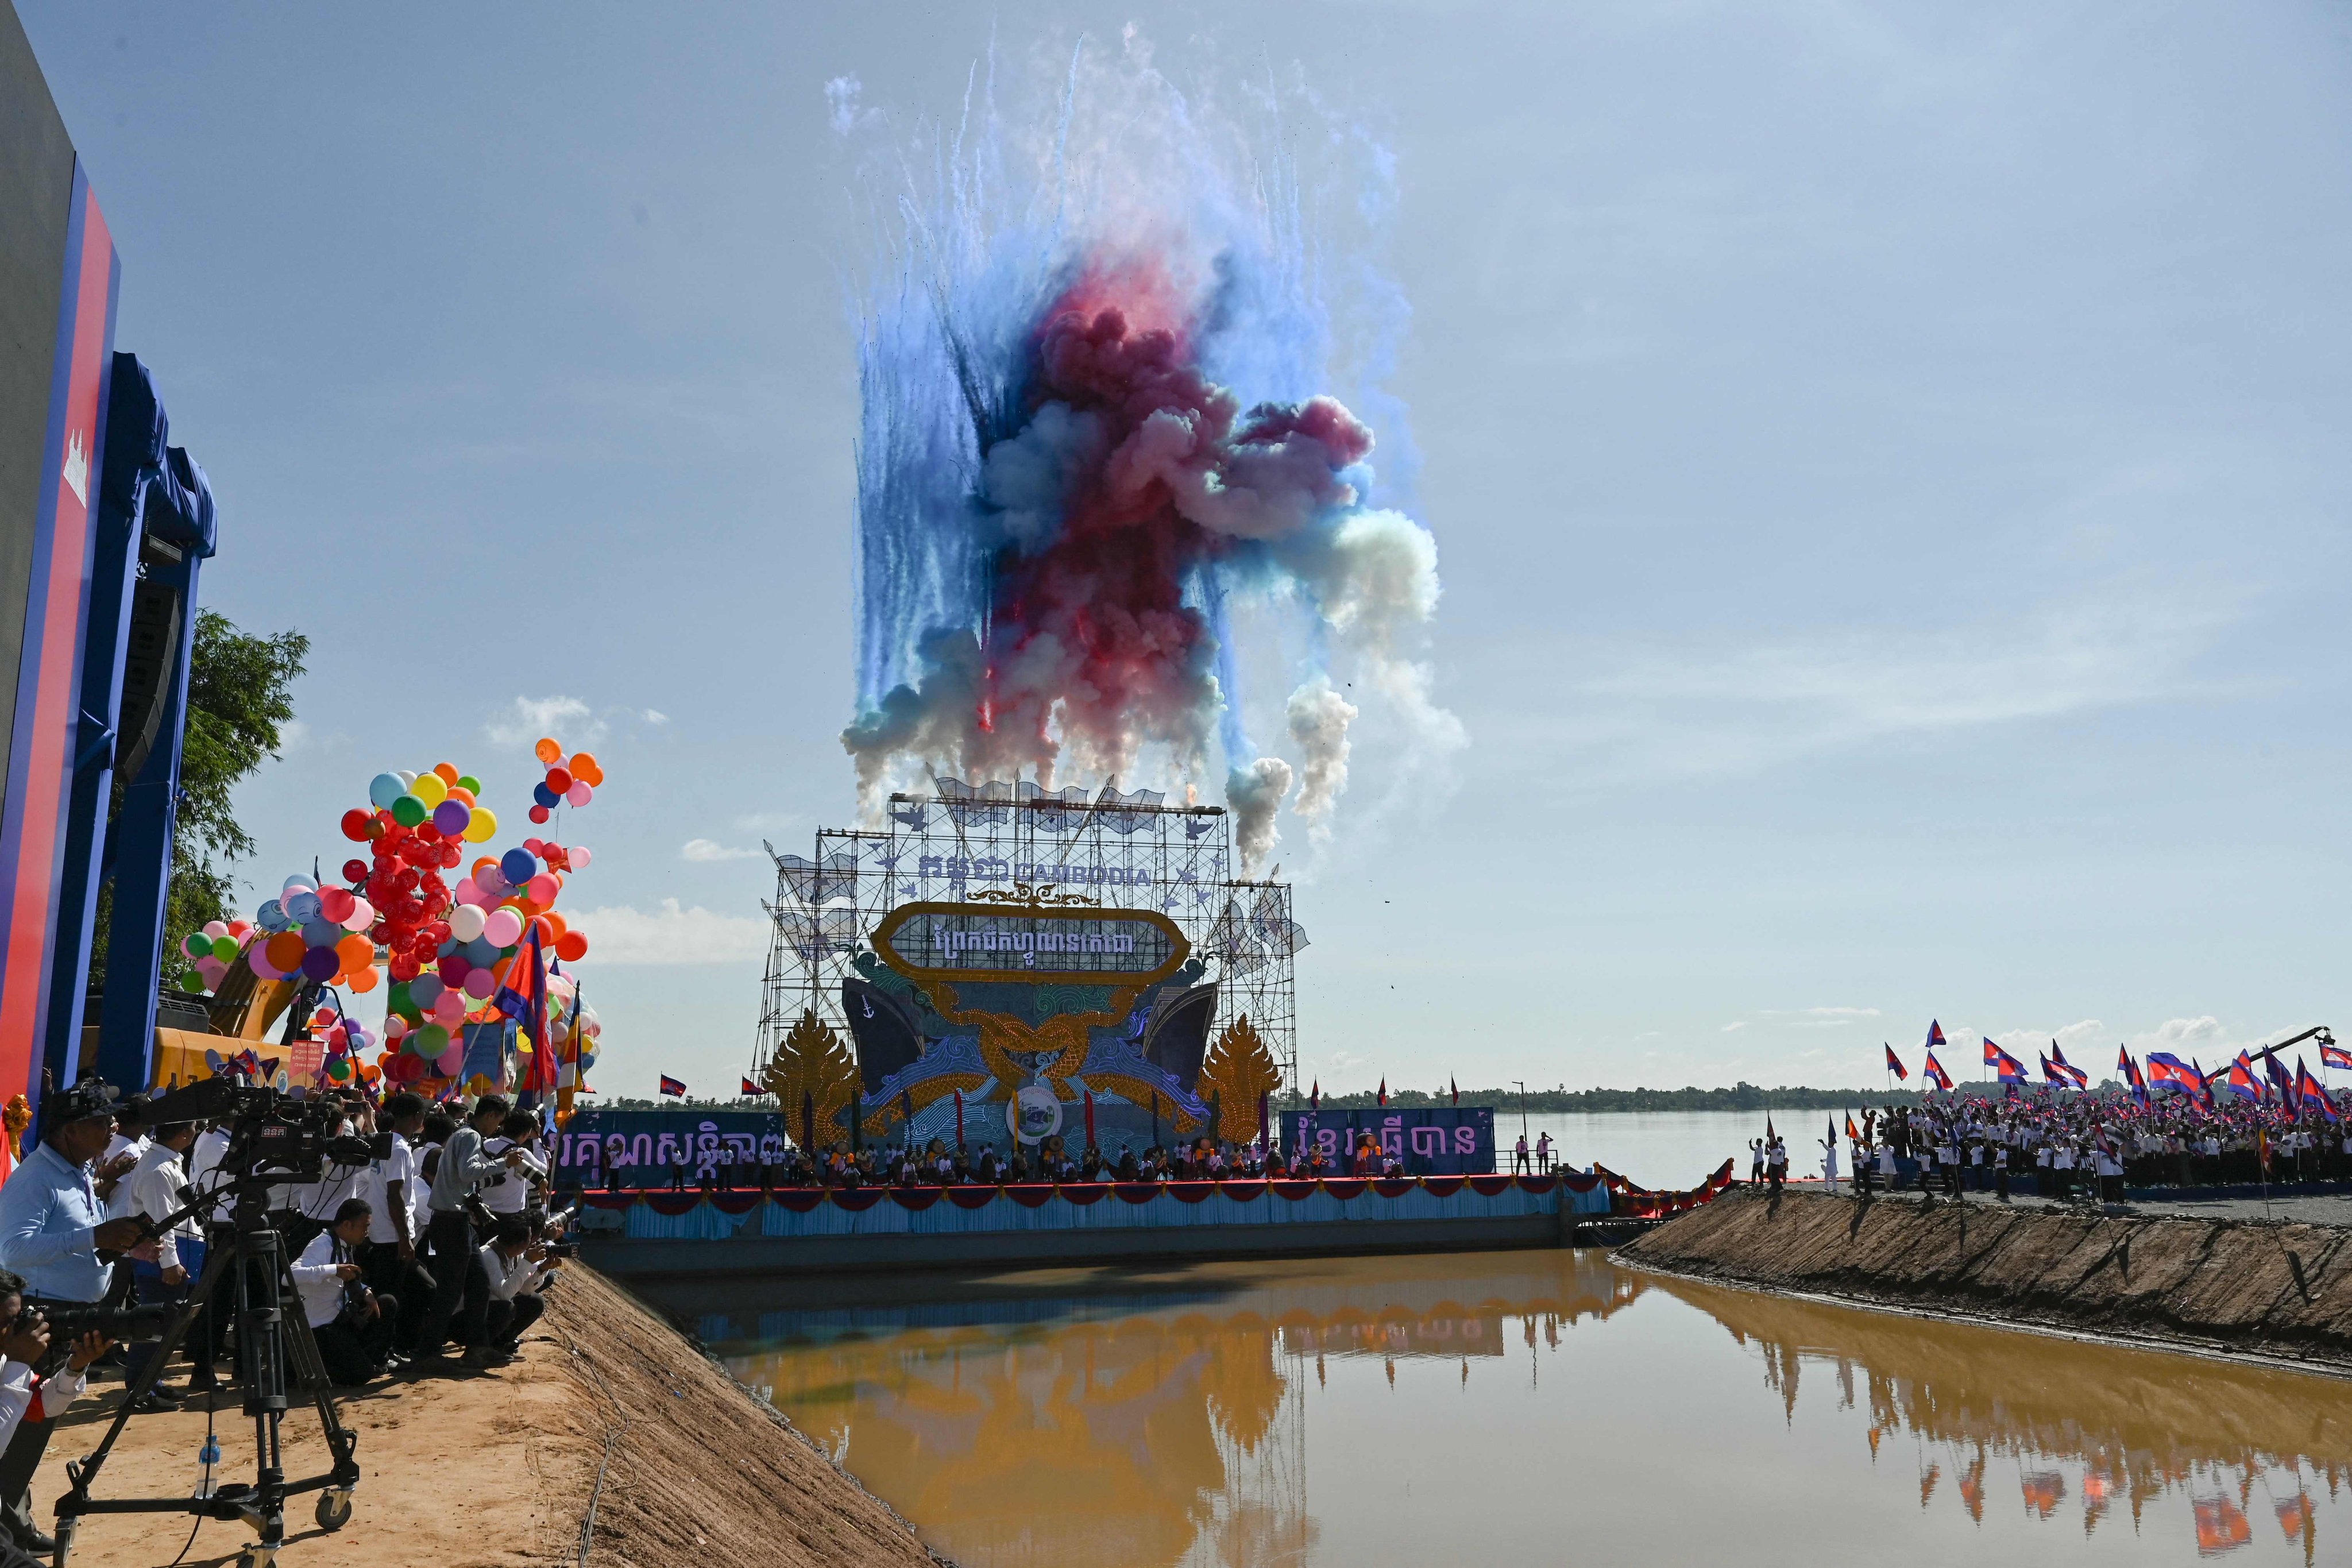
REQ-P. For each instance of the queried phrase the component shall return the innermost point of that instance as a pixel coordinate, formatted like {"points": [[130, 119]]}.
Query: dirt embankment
{"points": [[496, 1469], [2278, 1291]]}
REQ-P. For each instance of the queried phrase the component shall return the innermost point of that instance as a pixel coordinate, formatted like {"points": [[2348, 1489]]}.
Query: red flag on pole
{"points": [[1383, 1098]]}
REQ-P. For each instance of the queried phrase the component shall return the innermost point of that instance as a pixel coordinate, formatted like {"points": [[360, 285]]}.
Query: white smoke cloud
{"points": [[1319, 718], [1251, 795]]}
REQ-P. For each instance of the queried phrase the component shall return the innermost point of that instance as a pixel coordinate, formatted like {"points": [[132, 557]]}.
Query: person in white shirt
{"points": [[521, 1190], [352, 1325], [152, 1192], [25, 1395], [397, 1192], [131, 1141], [516, 1267]]}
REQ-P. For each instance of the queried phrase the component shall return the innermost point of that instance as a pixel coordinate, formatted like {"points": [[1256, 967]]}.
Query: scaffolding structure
{"points": [[1130, 852]]}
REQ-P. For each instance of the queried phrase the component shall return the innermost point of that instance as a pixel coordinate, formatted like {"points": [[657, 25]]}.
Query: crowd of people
{"points": [[935, 1164], [2085, 1145], [437, 1252]]}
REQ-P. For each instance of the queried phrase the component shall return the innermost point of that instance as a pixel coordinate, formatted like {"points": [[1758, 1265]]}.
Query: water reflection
{"points": [[1408, 1409]]}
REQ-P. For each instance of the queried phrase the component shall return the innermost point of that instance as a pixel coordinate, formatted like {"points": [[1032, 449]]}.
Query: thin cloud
{"points": [[655, 716], [1684, 713], [568, 719], [670, 935], [706, 851]]}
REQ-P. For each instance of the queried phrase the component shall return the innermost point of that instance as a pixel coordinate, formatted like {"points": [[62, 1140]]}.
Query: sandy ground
{"points": [[496, 1466]]}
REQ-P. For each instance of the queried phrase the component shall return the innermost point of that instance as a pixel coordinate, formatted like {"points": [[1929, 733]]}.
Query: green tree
{"points": [[240, 698]]}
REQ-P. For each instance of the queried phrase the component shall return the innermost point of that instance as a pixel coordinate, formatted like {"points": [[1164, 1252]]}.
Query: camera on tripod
{"points": [[272, 1136]]}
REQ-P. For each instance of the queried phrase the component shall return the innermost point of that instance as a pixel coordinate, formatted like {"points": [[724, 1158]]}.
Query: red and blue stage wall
{"points": [[62, 276]]}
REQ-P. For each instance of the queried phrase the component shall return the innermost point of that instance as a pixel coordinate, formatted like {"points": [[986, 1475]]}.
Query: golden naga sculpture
{"points": [[811, 1063], [1239, 1068]]}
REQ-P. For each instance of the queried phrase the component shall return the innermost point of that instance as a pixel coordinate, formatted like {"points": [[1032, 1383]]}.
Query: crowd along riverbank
{"points": [[2275, 1290]]}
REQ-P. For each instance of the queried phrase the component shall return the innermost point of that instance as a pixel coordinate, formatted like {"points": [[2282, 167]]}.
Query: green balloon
{"points": [[225, 948], [197, 944], [429, 1041], [408, 811], [193, 984], [469, 782]]}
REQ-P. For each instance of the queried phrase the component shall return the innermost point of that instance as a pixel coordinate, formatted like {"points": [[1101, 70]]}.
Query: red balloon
{"points": [[559, 780], [571, 947], [355, 870], [355, 824], [538, 813]]}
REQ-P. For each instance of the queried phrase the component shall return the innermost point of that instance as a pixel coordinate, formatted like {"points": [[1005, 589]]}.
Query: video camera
{"points": [[272, 1135]]}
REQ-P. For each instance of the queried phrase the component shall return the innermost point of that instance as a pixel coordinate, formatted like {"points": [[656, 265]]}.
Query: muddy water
{"points": [[1524, 1408]]}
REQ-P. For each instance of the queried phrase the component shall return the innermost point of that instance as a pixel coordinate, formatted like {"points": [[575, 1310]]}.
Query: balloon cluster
{"points": [[343, 1038], [212, 950], [316, 933], [571, 784]]}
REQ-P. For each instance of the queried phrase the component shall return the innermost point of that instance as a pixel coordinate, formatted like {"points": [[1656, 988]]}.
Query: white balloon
{"points": [[466, 921]]}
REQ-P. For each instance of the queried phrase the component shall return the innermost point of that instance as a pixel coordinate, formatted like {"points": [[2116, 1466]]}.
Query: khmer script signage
{"points": [[1441, 1140], [646, 1145], [1075, 943]]}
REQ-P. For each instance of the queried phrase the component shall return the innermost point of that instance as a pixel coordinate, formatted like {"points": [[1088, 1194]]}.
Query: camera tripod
{"points": [[269, 1344]]}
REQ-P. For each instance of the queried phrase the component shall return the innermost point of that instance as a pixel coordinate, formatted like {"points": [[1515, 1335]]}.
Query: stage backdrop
{"points": [[1447, 1141]]}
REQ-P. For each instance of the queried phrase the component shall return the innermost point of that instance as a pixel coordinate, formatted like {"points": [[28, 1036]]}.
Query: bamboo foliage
{"points": [[813, 1061], [1239, 1069]]}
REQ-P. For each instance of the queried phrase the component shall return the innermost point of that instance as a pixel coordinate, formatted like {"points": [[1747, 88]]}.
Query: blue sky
{"points": [[1888, 466]]}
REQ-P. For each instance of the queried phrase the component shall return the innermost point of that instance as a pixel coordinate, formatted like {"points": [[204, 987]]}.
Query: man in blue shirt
{"points": [[53, 1229]]}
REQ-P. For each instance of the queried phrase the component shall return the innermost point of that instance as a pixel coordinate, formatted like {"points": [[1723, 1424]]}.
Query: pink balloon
{"points": [[502, 928], [394, 1026], [579, 793], [544, 888], [468, 892], [579, 856], [479, 984], [451, 1007], [451, 1060], [262, 967]]}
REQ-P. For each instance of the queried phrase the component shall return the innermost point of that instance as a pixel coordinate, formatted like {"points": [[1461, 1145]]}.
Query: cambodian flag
{"points": [[1894, 1064], [2313, 1093], [2130, 1070], [752, 1089], [2333, 1057], [2049, 1074], [2006, 1068], [1992, 1052], [1937, 1075], [672, 1086], [2238, 1078], [2168, 1071], [1936, 1035], [2081, 1079], [2280, 1079]]}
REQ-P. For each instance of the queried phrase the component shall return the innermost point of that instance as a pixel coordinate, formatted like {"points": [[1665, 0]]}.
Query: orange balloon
{"points": [[356, 950], [449, 774], [459, 792], [364, 980], [545, 927], [284, 951], [556, 924], [583, 763], [571, 947], [548, 751]]}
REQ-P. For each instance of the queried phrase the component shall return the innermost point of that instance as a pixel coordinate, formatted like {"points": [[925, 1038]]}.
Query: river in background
{"points": [[1522, 1407]]}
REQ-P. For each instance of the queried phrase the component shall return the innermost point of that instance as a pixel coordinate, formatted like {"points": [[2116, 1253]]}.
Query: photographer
{"points": [[351, 1323], [26, 1396], [53, 1232], [154, 1186], [394, 1230], [522, 1190], [449, 1234], [516, 1267]]}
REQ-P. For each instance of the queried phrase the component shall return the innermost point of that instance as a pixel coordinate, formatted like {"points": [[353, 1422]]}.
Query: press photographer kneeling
{"points": [[26, 1396]]}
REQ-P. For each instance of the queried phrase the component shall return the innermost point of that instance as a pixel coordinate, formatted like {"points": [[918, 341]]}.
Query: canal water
{"points": [[1518, 1407]]}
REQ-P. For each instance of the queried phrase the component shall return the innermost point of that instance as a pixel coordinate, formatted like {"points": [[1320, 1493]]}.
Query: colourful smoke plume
{"points": [[1092, 422]]}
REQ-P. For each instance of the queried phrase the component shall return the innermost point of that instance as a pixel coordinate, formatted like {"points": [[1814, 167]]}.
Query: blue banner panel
{"points": [[642, 1147], [1444, 1141]]}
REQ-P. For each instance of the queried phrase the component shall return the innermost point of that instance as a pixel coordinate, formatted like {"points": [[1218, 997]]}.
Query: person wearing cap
{"points": [[53, 1230]]}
